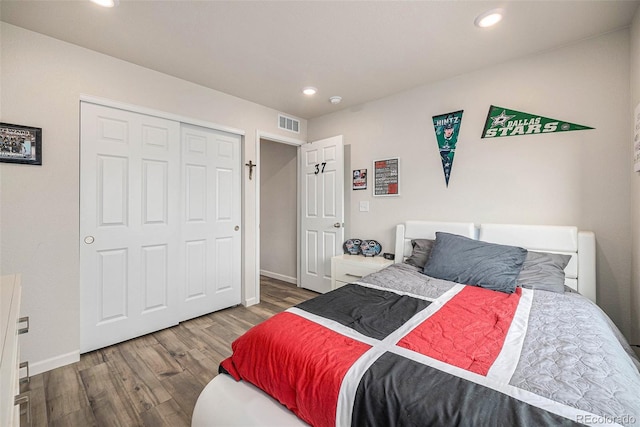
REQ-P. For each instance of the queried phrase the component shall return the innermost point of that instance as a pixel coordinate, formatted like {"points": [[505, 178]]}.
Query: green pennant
{"points": [[447, 127], [504, 122]]}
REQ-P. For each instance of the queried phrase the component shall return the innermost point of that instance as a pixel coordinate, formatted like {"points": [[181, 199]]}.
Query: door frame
{"points": [[158, 113], [282, 140]]}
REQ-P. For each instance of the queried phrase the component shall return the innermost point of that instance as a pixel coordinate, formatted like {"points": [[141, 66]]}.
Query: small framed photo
{"points": [[386, 177], [360, 179], [20, 144]]}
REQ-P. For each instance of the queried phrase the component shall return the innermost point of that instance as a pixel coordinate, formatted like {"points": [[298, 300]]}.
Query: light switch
{"points": [[364, 206]]}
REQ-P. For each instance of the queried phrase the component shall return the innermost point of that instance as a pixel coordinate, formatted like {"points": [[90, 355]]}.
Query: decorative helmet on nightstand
{"points": [[352, 246], [370, 247]]}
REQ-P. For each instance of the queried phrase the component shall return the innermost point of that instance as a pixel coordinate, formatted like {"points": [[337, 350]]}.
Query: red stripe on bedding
{"points": [[280, 356], [468, 331]]}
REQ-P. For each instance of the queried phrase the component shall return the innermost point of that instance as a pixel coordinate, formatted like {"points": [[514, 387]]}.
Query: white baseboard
{"points": [[278, 276], [54, 362], [249, 302]]}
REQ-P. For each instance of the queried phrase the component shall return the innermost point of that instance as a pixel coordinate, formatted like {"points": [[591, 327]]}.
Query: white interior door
{"points": [[129, 224], [159, 222], [211, 241], [322, 222]]}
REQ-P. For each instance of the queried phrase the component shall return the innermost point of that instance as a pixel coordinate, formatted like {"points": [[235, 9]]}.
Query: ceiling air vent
{"points": [[288, 123]]}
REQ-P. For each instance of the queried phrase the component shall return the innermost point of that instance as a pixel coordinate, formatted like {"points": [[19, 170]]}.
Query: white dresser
{"points": [[11, 326], [350, 268]]}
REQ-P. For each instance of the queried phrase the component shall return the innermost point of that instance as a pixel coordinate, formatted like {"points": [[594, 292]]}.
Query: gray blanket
{"points": [[571, 353]]}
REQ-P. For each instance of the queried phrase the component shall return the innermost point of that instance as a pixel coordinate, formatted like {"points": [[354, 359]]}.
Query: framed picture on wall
{"points": [[386, 177], [360, 179], [20, 144]]}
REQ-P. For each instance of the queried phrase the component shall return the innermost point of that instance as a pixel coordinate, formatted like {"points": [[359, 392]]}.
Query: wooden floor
{"points": [[153, 380]]}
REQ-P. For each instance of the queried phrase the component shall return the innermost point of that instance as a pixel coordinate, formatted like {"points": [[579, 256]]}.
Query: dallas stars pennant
{"points": [[447, 127], [504, 122]]}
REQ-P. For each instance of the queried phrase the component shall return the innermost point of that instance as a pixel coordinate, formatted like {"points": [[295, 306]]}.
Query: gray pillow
{"points": [[473, 262], [543, 271], [420, 253]]}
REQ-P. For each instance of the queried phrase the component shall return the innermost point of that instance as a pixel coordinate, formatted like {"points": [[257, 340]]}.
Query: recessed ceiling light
{"points": [[309, 90], [335, 99], [106, 3], [489, 18]]}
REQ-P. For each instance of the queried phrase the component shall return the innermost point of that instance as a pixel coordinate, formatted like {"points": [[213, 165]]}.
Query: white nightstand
{"points": [[350, 268]]}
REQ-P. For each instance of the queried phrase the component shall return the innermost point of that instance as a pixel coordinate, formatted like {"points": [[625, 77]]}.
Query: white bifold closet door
{"points": [[159, 204]]}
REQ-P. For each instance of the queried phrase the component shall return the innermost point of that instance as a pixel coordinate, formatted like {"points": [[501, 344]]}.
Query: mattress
{"points": [[402, 348]]}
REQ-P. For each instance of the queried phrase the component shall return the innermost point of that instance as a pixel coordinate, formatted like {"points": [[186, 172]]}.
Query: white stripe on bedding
{"points": [[334, 326], [349, 386], [505, 364], [382, 288], [350, 383]]}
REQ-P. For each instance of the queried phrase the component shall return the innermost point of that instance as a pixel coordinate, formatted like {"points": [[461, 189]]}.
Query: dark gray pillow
{"points": [[543, 271], [420, 253], [472, 262]]}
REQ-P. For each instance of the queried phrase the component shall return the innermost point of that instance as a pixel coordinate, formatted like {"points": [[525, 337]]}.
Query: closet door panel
{"points": [[211, 164], [129, 224]]}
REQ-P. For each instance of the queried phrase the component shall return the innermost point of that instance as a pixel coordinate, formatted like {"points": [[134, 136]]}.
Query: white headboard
{"points": [[427, 230], [580, 273]]}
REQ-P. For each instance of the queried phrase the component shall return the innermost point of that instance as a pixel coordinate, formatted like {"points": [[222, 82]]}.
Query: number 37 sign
{"points": [[319, 167]]}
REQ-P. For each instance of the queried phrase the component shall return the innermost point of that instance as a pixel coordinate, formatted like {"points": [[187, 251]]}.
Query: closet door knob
{"points": [[89, 240]]}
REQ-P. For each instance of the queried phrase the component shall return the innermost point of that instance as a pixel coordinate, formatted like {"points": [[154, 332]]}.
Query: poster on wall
{"points": [[20, 144], [505, 122], [386, 177], [447, 127], [360, 179], [636, 139]]}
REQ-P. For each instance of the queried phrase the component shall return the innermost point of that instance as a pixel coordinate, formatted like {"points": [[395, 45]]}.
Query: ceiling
{"points": [[267, 51]]}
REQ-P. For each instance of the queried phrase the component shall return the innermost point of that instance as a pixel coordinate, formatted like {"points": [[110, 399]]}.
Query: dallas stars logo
{"points": [[501, 119], [516, 123]]}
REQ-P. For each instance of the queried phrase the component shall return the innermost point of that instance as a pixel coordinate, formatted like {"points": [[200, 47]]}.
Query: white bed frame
{"points": [[580, 273], [225, 402]]}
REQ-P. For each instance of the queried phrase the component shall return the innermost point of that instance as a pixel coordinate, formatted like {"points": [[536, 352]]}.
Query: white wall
{"points": [[42, 80], [278, 210], [574, 178], [635, 182], [579, 178]]}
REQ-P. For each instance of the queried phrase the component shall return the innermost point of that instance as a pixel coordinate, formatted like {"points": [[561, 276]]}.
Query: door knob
{"points": [[89, 240], [236, 228], [337, 225]]}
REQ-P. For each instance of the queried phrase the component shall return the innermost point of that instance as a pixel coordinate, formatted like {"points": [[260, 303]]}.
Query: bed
{"points": [[401, 347]]}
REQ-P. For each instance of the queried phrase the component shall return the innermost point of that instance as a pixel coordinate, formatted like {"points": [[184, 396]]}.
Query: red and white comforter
{"points": [[367, 356]]}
